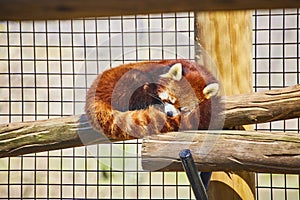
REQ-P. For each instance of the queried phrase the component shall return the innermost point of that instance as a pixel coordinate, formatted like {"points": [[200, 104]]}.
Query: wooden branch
{"points": [[224, 150], [67, 9], [262, 107], [32, 137]]}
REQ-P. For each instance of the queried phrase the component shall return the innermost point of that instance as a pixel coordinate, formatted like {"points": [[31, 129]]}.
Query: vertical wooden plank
{"points": [[226, 36]]}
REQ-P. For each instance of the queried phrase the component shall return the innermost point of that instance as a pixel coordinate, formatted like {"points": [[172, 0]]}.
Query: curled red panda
{"points": [[153, 97]]}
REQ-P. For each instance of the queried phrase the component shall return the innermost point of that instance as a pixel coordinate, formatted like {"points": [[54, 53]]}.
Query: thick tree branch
{"points": [[225, 151], [31, 137], [262, 107]]}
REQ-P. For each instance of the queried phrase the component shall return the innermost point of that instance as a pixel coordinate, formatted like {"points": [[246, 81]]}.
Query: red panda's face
{"points": [[170, 102], [181, 92]]}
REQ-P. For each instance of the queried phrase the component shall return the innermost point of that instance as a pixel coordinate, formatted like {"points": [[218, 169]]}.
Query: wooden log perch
{"points": [[43, 135], [262, 107], [31, 137], [224, 151]]}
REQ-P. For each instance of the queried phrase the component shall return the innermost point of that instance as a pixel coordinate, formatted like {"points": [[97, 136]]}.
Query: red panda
{"points": [[144, 98]]}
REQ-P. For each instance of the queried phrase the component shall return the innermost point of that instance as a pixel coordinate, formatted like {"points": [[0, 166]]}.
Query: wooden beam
{"points": [[43, 135], [59, 133], [226, 150], [70, 9], [226, 36], [261, 107]]}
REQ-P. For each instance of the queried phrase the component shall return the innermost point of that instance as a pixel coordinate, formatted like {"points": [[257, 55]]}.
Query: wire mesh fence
{"points": [[276, 65], [47, 66]]}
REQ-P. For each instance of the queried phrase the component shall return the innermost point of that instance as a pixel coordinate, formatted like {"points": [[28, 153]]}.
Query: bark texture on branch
{"points": [[32, 137], [262, 107], [225, 151]]}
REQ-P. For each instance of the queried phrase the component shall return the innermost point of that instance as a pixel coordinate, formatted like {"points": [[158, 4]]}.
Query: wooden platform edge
{"points": [[71, 9]]}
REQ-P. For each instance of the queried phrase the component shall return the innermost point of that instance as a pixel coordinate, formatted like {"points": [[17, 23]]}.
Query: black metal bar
{"points": [[205, 177], [192, 173]]}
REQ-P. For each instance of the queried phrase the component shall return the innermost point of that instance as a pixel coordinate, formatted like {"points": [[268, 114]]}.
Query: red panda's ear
{"points": [[211, 90], [175, 72]]}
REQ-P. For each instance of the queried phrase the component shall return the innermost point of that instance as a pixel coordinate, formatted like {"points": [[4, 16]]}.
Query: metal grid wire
{"points": [[46, 67], [276, 65]]}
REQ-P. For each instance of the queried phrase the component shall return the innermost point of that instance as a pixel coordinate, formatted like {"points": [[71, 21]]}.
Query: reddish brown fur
{"points": [[119, 123], [195, 77]]}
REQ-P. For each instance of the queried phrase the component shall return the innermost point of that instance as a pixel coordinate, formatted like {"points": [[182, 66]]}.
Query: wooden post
{"points": [[227, 37]]}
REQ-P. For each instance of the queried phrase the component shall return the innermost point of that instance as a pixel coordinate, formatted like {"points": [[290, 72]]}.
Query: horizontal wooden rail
{"points": [[224, 151], [31, 137], [262, 107], [43, 135], [70, 9]]}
